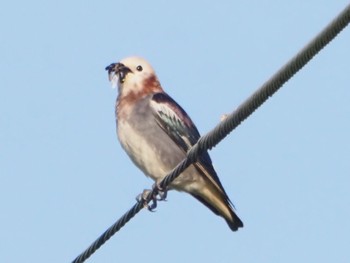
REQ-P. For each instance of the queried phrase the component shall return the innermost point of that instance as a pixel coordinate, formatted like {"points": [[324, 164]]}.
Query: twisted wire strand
{"points": [[212, 138]]}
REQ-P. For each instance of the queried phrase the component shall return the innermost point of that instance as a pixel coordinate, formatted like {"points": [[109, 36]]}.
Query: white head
{"points": [[133, 75]]}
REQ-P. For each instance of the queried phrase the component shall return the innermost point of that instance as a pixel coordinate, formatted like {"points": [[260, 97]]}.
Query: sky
{"points": [[64, 179]]}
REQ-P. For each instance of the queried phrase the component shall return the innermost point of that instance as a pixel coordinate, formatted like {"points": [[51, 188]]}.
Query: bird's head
{"points": [[133, 75]]}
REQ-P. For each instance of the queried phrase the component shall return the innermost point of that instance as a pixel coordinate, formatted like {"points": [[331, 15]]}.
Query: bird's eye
{"points": [[139, 68]]}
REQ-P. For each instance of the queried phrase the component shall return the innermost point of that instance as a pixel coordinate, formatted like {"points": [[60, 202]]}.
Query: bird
{"points": [[156, 133]]}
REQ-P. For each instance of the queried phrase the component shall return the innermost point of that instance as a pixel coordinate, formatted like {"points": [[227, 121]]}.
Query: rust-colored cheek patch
{"points": [[150, 85]]}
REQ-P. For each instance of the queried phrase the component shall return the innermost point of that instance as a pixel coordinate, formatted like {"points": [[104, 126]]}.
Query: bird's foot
{"points": [[162, 193], [143, 197]]}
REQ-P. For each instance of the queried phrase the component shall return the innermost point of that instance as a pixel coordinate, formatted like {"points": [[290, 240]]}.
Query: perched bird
{"points": [[157, 133]]}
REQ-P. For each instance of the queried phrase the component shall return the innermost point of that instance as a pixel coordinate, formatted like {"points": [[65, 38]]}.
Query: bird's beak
{"points": [[118, 69]]}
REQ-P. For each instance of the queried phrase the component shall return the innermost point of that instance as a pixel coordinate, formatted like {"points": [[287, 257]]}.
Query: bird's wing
{"points": [[179, 127]]}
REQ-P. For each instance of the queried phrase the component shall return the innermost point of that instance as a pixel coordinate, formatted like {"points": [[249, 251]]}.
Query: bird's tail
{"points": [[220, 204]]}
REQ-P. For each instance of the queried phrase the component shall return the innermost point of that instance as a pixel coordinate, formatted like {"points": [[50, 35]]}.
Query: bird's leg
{"points": [[143, 198], [158, 191], [162, 193]]}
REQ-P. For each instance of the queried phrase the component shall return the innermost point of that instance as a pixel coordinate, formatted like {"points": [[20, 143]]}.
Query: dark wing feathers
{"points": [[174, 120], [180, 128]]}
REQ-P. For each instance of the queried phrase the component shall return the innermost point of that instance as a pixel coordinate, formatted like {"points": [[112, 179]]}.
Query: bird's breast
{"points": [[148, 146]]}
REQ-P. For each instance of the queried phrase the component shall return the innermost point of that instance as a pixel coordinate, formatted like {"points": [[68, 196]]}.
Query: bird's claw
{"points": [[162, 193], [158, 191], [143, 198]]}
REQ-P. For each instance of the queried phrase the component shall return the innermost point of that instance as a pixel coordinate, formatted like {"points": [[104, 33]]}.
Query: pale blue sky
{"points": [[64, 179]]}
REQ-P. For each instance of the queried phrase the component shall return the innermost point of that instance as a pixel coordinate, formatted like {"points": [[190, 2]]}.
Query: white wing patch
{"points": [[162, 108]]}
